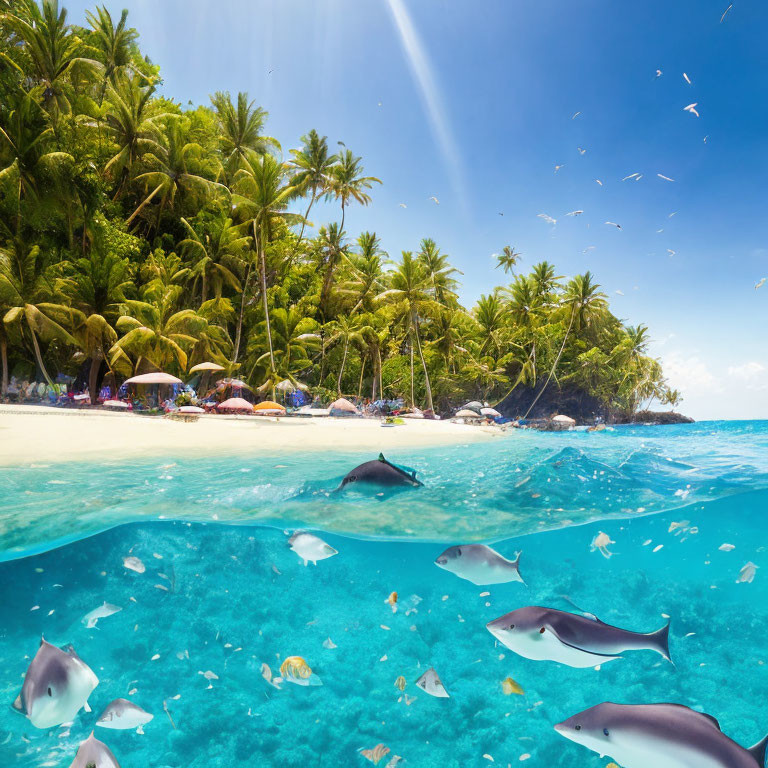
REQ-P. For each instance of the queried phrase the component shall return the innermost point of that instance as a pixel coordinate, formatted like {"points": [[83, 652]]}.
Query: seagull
{"points": [[620, 293], [589, 248], [581, 151], [760, 283], [662, 176], [403, 205], [576, 114], [659, 73], [634, 176], [437, 202], [574, 213], [671, 252], [599, 182], [692, 108], [614, 224], [687, 79], [379, 104], [705, 138], [547, 218], [558, 167], [659, 231], [726, 13], [674, 213], [500, 213]]}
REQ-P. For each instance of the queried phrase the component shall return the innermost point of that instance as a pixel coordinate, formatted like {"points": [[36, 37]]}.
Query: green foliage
{"points": [[144, 234]]}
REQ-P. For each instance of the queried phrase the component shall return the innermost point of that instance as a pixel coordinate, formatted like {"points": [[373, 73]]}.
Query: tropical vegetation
{"points": [[137, 234]]}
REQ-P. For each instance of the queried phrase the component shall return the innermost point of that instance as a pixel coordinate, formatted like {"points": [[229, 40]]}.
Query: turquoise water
{"points": [[238, 597]]}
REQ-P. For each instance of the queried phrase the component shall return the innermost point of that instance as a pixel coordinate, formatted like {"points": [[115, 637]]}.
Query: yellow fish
{"points": [[509, 686], [392, 601], [400, 683], [376, 754], [296, 670]]}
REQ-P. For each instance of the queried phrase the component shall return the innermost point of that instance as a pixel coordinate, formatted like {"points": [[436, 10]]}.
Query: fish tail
{"points": [[758, 751], [659, 641]]}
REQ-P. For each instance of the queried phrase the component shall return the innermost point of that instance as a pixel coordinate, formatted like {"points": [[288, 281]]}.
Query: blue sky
{"points": [[473, 103]]}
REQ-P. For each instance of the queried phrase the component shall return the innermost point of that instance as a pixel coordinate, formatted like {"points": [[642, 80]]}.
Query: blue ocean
{"points": [[222, 595]]}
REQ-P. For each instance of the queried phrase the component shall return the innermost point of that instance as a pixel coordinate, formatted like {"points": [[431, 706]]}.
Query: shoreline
{"points": [[43, 433]]}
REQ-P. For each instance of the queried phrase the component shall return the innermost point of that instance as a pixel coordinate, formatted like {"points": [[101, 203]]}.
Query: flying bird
{"points": [[722, 18], [687, 79], [403, 205], [659, 231], [614, 224], [581, 151], [574, 213], [558, 167], [599, 182], [692, 108], [674, 213], [437, 202], [671, 252], [547, 218], [500, 213], [575, 115], [620, 293], [659, 73], [662, 176], [705, 138], [760, 283], [635, 176]]}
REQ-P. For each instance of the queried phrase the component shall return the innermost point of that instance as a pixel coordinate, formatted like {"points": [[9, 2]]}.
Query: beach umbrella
{"points": [[115, 404], [158, 377], [269, 407], [566, 420], [465, 413], [235, 404], [191, 409], [286, 385], [342, 407], [206, 367], [475, 405], [492, 412]]}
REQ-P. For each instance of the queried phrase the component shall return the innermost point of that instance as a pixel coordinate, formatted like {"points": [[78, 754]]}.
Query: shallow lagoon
{"points": [[240, 587]]}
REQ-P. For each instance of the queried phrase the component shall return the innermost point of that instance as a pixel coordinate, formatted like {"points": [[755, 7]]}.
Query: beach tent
{"points": [[191, 409], [235, 405], [269, 408], [342, 407], [563, 422], [492, 412], [466, 413], [115, 404]]}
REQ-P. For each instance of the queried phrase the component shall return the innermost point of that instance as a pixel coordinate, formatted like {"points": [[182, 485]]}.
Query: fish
{"points": [[124, 715], [296, 670], [663, 735], [91, 618], [93, 753], [310, 548], [56, 686], [480, 564], [601, 542], [382, 473], [509, 686], [400, 683], [547, 634], [430, 683], [747, 573], [134, 564], [392, 601], [266, 673]]}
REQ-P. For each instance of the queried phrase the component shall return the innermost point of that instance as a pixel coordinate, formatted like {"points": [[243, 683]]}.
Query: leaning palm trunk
{"points": [[39, 358], [362, 375], [554, 365], [239, 331], [93, 378], [423, 365], [263, 265], [303, 224], [341, 370], [139, 209], [4, 361]]}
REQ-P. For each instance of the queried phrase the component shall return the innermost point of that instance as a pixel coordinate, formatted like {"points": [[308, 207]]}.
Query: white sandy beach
{"points": [[40, 433]]}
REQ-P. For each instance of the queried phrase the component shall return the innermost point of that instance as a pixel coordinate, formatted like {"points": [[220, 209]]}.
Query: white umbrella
{"points": [[115, 404], [158, 377], [286, 385], [465, 413], [206, 367], [561, 419], [490, 412], [191, 409]]}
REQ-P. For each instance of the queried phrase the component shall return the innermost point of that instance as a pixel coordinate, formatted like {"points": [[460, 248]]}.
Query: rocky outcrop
{"points": [[660, 417]]}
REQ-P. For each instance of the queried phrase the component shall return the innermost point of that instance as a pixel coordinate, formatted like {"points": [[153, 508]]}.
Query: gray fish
{"points": [[94, 753], [56, 685], [658, 735], [123, 715], [380, 472], [479, 564], [546, 634]]}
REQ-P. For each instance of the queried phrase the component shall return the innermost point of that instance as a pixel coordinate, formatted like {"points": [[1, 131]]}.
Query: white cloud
{"points": [[690, 374], [746, 372]]}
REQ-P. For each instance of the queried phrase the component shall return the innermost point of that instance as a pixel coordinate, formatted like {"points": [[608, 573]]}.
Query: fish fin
{"points": [[711, 720], [87, 706], [18, 705], [586, 650], [70, 649], [381, 458], [758, 751], [660, 641]]}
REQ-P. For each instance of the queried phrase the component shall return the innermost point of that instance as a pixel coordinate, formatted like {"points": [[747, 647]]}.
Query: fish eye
{"points": [[511, 626], [541, 631], [458, 551], [578, 727], [49, 692], [605, 731]]}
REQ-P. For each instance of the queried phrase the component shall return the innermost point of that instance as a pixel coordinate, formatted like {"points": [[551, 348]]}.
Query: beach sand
{"points": [[40, 433]]}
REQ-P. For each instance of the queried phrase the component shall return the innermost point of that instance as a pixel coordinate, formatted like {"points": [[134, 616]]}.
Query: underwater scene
{"points": [[219, 634]]}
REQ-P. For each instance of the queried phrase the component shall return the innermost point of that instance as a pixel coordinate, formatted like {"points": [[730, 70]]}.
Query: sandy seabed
{"points": [[40, 433]]}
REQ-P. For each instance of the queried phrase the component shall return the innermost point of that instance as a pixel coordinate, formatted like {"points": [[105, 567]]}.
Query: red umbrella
{"points": [[235, 405], [343, 407]]}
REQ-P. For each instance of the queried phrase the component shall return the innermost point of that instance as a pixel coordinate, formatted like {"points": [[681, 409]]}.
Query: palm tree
{"points": [[240, 128], [410, 288], [545, 281], [491, 314], [313, 172], [113, 43], [218, 253], [180, 169], [439, 271], [348, 183], [262, 195], [332, 250], [367, 271], [507, 259], [27, 284], [350, 331]]}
